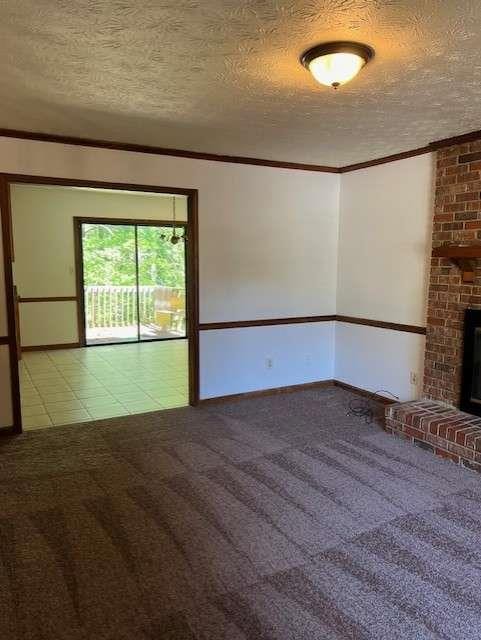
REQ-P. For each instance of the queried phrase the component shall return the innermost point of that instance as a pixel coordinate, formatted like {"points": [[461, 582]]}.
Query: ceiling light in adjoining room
{"points": [[335, 63]]}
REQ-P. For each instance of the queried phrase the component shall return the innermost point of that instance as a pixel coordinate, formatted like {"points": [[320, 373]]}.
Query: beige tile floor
{"points": [[78, 385]]}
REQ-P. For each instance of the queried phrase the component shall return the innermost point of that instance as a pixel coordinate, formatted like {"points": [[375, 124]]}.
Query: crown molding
{"points": [[162, 151], [472, 136], [392, 158], [214, 157]]}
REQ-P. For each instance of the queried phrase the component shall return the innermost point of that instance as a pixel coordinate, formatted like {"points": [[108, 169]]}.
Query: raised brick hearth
{"points": [[445, 431]]}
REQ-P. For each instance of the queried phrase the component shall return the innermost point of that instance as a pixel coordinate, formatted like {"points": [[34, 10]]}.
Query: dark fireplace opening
{"points": [[471, 371]]}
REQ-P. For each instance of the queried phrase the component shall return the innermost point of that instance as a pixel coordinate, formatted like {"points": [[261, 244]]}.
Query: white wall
{"points": [[48, 323], [43, 235], [272, 245], [379, 359], [384, 255], [267, 243], [299, 353]]}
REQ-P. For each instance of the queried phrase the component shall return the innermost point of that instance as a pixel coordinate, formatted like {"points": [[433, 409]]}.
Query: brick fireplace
{"points": [[436, 423], [457, 220]]}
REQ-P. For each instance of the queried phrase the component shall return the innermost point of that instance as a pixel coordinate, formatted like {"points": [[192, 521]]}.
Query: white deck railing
{"points": [[109, 306]]}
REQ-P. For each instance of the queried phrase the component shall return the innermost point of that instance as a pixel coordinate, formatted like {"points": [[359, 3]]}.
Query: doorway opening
{"points": [[133, 280], [107, 304]]}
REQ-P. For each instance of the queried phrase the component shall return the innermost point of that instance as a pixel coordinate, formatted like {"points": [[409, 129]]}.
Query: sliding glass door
{"points": [[110, 283], [161, 268], [133, 282]]}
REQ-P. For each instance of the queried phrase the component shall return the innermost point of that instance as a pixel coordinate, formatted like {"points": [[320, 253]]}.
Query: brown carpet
{"points": [[277, 518]]}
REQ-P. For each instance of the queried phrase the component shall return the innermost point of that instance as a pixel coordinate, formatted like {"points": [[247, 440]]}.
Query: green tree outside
{"points": [[109, 256]]}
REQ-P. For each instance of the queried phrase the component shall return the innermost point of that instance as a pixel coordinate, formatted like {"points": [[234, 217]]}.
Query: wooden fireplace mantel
{"points": [[463, 256]]}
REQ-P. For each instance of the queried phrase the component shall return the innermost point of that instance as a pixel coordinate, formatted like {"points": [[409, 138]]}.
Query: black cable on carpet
{"points": [[366, 407]]}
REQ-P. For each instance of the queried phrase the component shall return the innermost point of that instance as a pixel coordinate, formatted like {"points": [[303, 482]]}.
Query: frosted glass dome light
{"points": [[335, 63]]}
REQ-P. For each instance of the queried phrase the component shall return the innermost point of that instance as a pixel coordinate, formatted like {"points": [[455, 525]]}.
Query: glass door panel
{"points": [[161, 267], [110, 283]]}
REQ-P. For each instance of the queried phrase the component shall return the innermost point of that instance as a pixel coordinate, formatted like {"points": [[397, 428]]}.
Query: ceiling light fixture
{"points": [[175, 238], [335, 63]]}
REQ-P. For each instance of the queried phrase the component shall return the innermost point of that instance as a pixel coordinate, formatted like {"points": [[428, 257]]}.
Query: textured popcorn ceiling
{"points": [[223, 76]]}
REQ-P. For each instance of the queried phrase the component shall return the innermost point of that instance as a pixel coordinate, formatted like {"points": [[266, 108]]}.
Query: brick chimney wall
{"points": [[457, 219]]}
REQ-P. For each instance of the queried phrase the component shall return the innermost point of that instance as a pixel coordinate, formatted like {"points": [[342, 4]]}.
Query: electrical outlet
{"points": [[413, 378], [269, 363]]}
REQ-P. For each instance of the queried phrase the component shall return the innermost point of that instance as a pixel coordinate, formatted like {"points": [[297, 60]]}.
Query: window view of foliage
{"points": [[109, 256]]}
